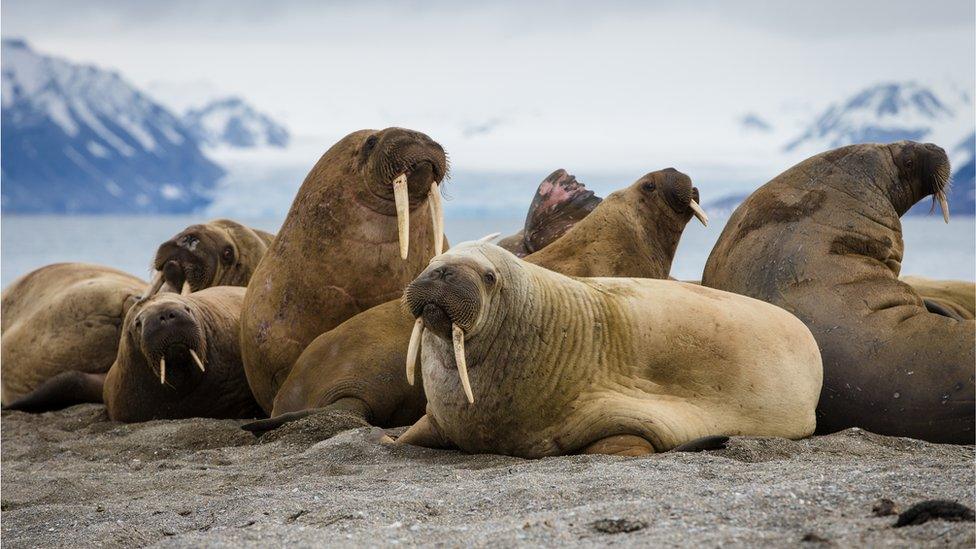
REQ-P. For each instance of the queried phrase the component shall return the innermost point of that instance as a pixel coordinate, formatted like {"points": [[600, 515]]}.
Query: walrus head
{"points": [[667, 193], [219, 253], [401, 168], [450, 299], [923, 170], [168, 334]]}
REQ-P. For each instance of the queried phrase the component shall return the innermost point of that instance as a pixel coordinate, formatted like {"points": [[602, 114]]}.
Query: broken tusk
{"points": [[162, 371], [186, 288], [457, 334], [944, 204], [413, 348], [489, 237], [699, 212], [403, 213], [437, 217], [197, 360]]}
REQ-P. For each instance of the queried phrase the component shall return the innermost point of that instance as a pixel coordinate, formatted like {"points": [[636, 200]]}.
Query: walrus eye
{"points": [[648, 187], [228, 254], [369, 145], [490, 277]]}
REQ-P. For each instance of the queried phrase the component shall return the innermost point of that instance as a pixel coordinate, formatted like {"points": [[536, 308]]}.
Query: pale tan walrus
{"points": [[952, 298], [519, 360]]}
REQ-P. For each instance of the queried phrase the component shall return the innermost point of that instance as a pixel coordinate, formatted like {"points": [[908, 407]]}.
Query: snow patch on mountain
{"points": [[231, 122]]}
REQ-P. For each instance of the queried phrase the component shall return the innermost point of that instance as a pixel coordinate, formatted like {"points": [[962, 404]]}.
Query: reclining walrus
{"points": [[823, 240], [952, 298], [358, 366], [519, 360]]}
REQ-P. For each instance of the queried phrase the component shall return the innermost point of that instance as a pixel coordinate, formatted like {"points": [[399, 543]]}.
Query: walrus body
{"points": [[606, 365], [59, 318], [823, 240], [358, 365], [954, 298], [180, 357], [347, 244], [221, 252]]}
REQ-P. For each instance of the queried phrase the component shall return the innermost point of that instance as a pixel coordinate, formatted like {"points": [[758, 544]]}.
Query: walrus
{"points": [[221, 252], [559, 203], [523, 361], [364, 223], [952, 298], [358, 366], [179, 357], [65, 316], [823, 240]]}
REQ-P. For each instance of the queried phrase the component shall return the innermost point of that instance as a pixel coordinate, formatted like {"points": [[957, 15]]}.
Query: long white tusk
{"points": [[403, 213], [186, 288], [157, 283], [489, 237], [413, 348], [458, 336], [944, 204], [197, 360], [162, 371], [699, 212], [437, 217]]}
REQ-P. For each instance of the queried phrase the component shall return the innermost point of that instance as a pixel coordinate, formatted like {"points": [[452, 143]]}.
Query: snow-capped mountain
{"points": [[232, 122], [79, 139]]}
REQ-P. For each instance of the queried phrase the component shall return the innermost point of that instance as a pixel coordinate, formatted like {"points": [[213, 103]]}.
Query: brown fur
{"points": [[823, 240], [337, 252], [957, 296], [62, 317], [133, 391]]}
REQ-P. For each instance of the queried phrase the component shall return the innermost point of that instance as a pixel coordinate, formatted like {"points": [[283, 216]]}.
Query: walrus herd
{"points": [[567, 337]]}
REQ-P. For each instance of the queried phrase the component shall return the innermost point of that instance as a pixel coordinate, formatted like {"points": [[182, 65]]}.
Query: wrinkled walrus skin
{"points": [[155, 376], [221, 252], [823, 240], [338, 252], [955, 298], [60, 318], [358, 366], [599, 365]]}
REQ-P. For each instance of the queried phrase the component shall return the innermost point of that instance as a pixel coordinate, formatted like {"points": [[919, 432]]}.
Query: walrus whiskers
{"points": [[162, 371], [699, 212], [403, 213], [413, 348], [458, 336], [197, 360], [437, 217]]}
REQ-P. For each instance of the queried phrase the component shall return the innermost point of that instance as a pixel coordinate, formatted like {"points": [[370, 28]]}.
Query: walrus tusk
{"points": [[944, 204], [186, 288], [699, 212], [197, 360], [413, 348], [403, 212], [437, 217], [162, 371], [157, 283], [489, 237], [458, 336]]}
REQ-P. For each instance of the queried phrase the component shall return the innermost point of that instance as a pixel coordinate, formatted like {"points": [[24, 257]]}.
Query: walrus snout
{"points": [[170, 334], [443, 296], [187, 258], [680, 194]]}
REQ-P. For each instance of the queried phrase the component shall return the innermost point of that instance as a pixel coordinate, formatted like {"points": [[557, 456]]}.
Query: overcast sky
{"points": [[507, 85]]}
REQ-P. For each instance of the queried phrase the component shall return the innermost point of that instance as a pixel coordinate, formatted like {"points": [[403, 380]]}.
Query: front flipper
{"points": [[425, 433], [352, 405], [63, 390], [620, 445], [703, 444]]}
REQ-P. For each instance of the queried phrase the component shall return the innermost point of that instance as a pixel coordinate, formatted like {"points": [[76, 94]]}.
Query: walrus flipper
{"points": [[63, 390], [703, 444], [936, 307], [348, 404]]}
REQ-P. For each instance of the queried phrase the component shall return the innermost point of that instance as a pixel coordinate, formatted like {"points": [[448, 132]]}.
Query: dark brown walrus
{"points": [[823, 240], [358, 231], [180, 357], [65, 316], [359, 366], [221, 252], [559, 203], [71, 371]]}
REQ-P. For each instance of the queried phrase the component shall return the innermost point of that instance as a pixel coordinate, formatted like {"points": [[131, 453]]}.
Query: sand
{"points": [[72, 478]]}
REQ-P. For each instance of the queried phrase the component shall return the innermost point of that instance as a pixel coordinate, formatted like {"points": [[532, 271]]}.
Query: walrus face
{"points": [[401, 168], [923, 170], [449, 298], [670, 193], [169, 336]]}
